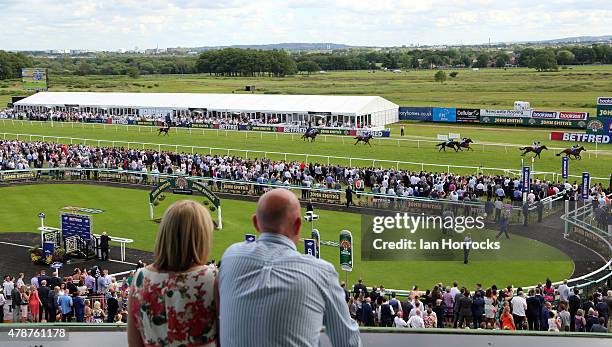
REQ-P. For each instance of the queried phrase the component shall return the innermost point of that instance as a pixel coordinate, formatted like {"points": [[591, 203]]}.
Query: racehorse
{"points": [[449, 144], [530, 149], [575, 152], [364, 138], [464, 144], [310, 135], [163, 130]]}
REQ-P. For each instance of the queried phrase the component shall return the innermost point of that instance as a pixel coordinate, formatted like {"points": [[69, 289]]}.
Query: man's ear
{"points": [[297, 225], [255, 225]]}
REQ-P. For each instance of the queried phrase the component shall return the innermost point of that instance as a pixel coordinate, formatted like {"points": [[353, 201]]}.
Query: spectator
{"points": [[553, 322], [546, 309], [534, 307], [416, 321], [79, 308], [367, 313], [43, 294], [275, 258], [478, 307], [65, 305], [579, 321], [519, 308], [34, 304], [506, 319], [564, 317], [399, 320], [430, 318], [112, 306], [181, 250], [600, 326], [564, 291]]}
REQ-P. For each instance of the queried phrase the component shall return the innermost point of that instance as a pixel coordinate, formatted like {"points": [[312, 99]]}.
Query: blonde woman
{"points": [[25, 301], [97, 314], [178, 287]]}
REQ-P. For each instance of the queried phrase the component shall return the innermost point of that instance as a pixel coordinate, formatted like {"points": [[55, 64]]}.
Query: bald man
{"points": [[273, 295]]}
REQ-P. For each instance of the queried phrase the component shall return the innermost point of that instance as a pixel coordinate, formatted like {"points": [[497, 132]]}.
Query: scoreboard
{"points": [[34, 78]]}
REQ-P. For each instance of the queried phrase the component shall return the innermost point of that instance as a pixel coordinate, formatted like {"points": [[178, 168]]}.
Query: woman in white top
{"points": [[173, 302]]}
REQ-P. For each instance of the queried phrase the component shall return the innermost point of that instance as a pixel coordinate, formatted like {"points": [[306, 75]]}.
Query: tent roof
{"points": [[230, 102]]}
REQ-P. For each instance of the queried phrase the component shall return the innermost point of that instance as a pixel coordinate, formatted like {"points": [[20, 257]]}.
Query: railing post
{"points": [[566, 232]]}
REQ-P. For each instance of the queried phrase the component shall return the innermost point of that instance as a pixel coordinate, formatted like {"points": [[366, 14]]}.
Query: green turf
{"points": [[574, 89], [504, 157], [127, 215]]}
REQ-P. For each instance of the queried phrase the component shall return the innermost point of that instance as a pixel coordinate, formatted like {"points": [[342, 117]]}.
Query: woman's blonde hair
{"points": [[184, 238]]}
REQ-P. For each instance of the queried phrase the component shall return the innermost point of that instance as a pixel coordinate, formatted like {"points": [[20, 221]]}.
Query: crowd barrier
{"points": [[108, 334], [318, 158]]}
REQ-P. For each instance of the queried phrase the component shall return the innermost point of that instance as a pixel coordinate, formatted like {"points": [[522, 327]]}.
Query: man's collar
{"points": [[277, 238]]}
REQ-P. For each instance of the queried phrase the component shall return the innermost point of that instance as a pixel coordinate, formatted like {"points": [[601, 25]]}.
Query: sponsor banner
{"points": [[294, 130], [585, 186], [76, 224], [504, 113], [604, 111], [203, 125], [144, 122], [544, 114], [17, 176], [526, 179], [375, 133], [564, 167], [574, 115], [346, 250], [467, 115], [328, 131], [603, 100], [48, 249], [600, 126], [109, 176], [580, 137], [228, 127], [256, 127], [235, 188], [444, 114], [310, 247], [122, 121], [324, 196], [416, 113], [556, 123]]}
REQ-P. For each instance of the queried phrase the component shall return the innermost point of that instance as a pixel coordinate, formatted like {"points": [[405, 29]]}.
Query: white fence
{"points": [[399, 142], [285, 155]]}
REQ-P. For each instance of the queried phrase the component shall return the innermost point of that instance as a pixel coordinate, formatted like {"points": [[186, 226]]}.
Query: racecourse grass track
{"points": [[127, 215], [486, 153], [573, 89]]}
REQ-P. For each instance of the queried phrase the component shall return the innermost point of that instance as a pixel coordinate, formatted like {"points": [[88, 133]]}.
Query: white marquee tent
{"points": [[367, 110]]}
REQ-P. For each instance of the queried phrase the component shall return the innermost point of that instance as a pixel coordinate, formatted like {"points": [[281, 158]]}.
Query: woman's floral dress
{"points": [[175, 309]]}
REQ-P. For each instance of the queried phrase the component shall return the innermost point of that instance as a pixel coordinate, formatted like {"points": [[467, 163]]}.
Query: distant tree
{"points": [[565, 57], [544, 60], [453, 74], [440, 76], [309, 66], [133, 72], [501, 60], [526, 56], [83, 69], [482, 60]]}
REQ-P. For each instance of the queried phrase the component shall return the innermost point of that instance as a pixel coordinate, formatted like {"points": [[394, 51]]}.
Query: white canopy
{"points": [[345, 105]]}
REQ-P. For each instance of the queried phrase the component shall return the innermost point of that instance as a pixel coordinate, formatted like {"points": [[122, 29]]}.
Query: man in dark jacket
{"points": [[456, 300], [534, 308], [360, 287], [367, 313], [16, 304], [477, 310], [465, 310], [78, 307], [55, 281], [544, 316], [574, 305], [52, 304], [43, 294], [386, 314]]}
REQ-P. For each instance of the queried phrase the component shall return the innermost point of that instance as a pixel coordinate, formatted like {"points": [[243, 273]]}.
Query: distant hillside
{"points": [[292, 46], [576, 39]]}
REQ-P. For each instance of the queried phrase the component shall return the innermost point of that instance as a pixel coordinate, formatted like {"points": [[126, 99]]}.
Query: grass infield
{"points": [[127, 215]]}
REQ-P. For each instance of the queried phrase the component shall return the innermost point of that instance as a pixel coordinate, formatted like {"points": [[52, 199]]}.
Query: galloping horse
{"points": [[164, 130], [364, 138], [450, 144], [310, 135], [531, 149], [575, 152], [464, 144]]}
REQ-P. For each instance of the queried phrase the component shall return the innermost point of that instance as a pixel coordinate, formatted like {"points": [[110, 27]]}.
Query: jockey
{"points": [[309, 129], [574, 147], [535, 145], [450, 143], [463, 140]]}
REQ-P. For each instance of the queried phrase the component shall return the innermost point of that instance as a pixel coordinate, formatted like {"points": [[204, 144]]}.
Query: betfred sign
{"points": [[544, 114], [579, 137], [573, 115], [603, 100]]}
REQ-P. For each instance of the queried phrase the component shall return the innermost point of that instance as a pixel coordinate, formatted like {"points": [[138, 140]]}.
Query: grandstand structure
{"points": [[371, 111]]}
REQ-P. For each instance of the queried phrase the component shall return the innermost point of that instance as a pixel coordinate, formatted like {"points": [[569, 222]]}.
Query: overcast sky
{"points": [[114, 24]]}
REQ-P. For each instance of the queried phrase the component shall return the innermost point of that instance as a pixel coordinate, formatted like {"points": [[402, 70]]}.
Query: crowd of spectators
{"points": [[146, 164], [86, 296], [543, 308], [164, 118]]}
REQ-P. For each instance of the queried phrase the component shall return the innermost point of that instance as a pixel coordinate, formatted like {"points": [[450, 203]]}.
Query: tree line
{"points": [[232, 62]]}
